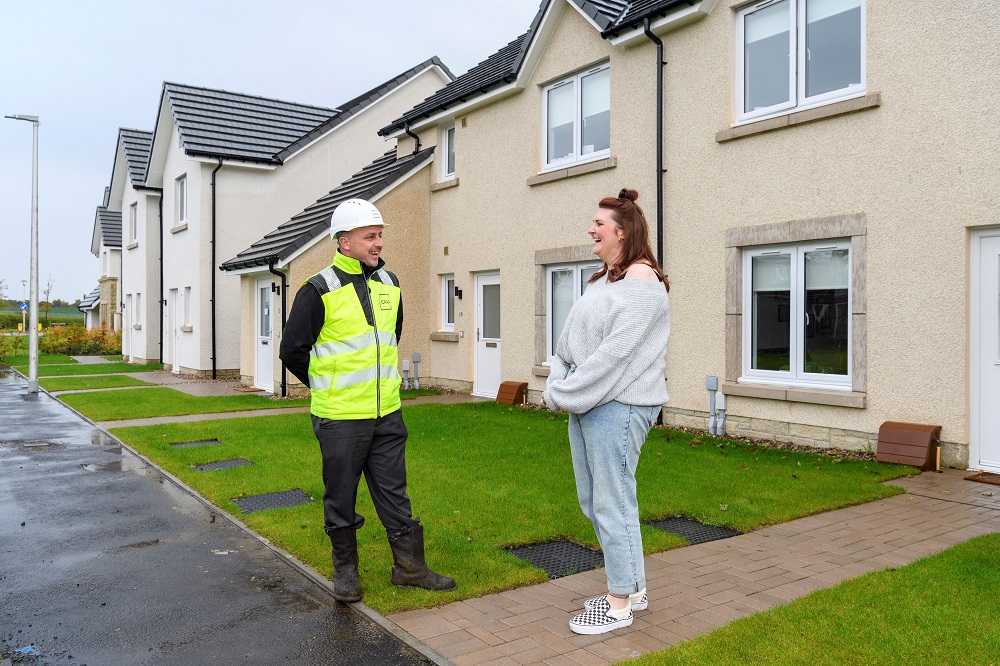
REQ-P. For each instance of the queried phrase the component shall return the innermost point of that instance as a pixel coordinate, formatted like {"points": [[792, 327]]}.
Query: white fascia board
{"points": [[119, 175], [441, 72], [452, 111], [665, 24], [251, 270], [214, 161], [541, 39], [399, 181], [160, 145], [95, 239]]}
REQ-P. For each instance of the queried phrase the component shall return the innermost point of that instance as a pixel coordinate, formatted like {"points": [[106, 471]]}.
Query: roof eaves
{"points": [[627, 22]]}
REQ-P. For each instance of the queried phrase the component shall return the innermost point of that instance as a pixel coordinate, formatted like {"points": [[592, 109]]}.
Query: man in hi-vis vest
{"points": [[341, 341]]}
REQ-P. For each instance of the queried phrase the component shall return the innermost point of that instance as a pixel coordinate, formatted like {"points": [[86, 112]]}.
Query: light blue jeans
{"points": [[605, 443]]}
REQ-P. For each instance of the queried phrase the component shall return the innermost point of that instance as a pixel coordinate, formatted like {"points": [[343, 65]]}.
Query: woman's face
{"points": [[607, 236]]}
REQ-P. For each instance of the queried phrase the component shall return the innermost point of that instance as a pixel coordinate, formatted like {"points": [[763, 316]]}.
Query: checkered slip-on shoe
{"points": [[601, 619], [639, 600]]}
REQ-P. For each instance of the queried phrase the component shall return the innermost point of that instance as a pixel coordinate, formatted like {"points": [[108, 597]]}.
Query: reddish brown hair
{"points": [[631, 221]]}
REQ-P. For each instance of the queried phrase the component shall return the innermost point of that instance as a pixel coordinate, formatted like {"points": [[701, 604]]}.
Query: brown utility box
{"points": [[909, 444], [513, 393]]}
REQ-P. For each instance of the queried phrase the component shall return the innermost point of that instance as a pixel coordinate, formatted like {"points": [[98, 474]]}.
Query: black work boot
{"points": [[346, 586], [409, 568]]}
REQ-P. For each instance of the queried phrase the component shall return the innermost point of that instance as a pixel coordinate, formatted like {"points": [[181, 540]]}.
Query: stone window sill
{"points": [[852, 399], [178, 228], [186, 329], [577, 170], [132, 246], [444, 336], [869, 101], [540, 371], [444, 185], [136, 327]]}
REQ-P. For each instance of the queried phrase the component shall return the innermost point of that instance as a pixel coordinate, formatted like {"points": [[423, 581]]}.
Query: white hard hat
{"points": [[354, 214]]}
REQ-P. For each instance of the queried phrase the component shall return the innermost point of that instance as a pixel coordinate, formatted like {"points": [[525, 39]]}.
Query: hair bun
{"points": [[628, 195]]}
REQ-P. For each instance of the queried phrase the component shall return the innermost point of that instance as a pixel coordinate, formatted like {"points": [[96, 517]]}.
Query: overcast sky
{"points": [[88, 68]]}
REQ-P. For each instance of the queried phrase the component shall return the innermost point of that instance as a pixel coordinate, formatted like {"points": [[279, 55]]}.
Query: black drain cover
{"points": [[559, 558], [200, 442], [223, 464], [694, 531], [282, 500]]}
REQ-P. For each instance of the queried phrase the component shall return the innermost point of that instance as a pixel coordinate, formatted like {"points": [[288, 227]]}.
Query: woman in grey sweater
{"points": [[609, 374]]}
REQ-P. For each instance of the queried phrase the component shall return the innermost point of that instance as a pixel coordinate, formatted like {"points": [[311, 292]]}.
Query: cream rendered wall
{"points": [[252, 202], [921, 167], [494, 220]]}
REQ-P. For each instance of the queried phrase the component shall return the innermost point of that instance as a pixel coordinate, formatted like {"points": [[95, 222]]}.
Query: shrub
{"points": [[78, 341], [8, 347]]}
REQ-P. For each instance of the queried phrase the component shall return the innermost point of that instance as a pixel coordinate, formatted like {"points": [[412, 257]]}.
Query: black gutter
{"points": [[284, 290], [214, 366], [660, 64], [163, 301], [642, 17]]}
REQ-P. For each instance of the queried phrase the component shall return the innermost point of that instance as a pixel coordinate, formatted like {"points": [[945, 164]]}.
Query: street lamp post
{"points": [[33, 330]]}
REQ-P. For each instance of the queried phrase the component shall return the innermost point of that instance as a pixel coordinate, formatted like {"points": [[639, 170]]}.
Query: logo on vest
{"points": [[383, 302]]}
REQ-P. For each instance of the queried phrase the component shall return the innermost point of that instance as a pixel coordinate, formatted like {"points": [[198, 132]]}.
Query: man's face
{"points": [[364, 244]]}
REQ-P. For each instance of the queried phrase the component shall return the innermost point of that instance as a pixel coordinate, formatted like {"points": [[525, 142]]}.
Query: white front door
{"points": [[263, 377], [487, 380], [984, 449], [174, 331]]}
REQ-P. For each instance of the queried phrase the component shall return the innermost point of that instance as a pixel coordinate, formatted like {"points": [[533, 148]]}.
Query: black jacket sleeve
{"points": [[302, 328]]}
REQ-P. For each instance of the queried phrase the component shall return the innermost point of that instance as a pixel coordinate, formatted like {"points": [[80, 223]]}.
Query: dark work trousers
{"points": [[376, 447]]}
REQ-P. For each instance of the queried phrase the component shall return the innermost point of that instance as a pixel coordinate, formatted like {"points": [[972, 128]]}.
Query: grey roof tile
{"points": [[137, 145], [111, 226], [220, 123], [638, 10], [90, 300], [315, 219]]}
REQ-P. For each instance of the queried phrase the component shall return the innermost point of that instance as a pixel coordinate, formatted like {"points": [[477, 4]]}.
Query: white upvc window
{"points": [[795, 54], [448, 302], [564, 284], [576, 118], [797, 314], [448, 163], [181, 200], [137, 315], [187, 306], [133, 222]]}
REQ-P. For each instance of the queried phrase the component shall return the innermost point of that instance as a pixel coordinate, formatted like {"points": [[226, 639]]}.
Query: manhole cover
{"points": [[222, 464], [559, 558], [694, 531], [200, 442], [282, 500]]}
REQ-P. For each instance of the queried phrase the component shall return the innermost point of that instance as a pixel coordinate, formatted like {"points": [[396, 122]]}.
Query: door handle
{"points": [[263, 342], [477, 335]]}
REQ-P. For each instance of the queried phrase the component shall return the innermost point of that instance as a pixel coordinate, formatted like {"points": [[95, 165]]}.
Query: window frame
{"points": [[180, 200], [447, 292], [187, 306], [448, 143], [796, 375], [576, 79], [577, 267], [134, 222], [797, 46]]}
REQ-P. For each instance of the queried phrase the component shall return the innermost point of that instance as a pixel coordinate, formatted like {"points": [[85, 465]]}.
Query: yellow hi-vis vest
{"points": [[353, 371]]}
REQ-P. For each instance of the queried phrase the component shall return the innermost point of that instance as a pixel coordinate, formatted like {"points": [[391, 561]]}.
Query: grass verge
{"points": [[410, 394], [94, 382], [483, 476], [146, 403], [89, 369], [43, 359], [934, 611]]}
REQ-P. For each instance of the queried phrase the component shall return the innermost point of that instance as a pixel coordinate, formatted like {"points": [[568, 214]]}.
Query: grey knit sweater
{"points": [[613, 347]]}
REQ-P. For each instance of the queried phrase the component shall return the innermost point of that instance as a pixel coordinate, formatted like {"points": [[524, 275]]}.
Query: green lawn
{"points": [[144, 403], [943, 609], [113, 357], [95, 382], [410, 394], [43, 359], [89, 369], [483, 476]]}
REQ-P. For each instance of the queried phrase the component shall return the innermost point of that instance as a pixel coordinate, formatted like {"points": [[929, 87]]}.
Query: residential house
{"points": [[106, 245], [231, 166], [90, 307], [818, 178], [138, 208], [302, 247]]}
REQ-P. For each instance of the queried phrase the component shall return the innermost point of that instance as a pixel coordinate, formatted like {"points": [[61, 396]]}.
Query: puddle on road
{"points": [[115, 466]]}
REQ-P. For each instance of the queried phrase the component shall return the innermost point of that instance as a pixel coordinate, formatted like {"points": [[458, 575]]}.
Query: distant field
{"points": [[69, 315]]}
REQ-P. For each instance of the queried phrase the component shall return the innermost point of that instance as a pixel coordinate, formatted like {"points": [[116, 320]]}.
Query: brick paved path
{"points": [[696, 589]]}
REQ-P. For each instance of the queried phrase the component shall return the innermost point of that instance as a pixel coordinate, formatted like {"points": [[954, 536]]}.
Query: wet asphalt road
{"points": [[105, 562]]}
